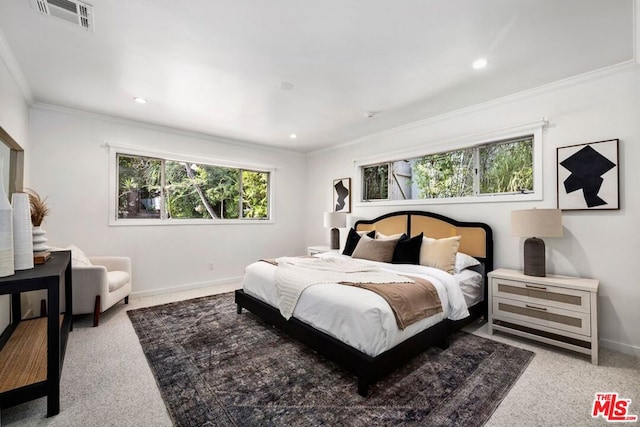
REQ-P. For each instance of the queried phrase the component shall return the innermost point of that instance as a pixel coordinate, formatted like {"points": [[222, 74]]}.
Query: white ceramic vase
{"points": [[22, 237], [39, 239]]}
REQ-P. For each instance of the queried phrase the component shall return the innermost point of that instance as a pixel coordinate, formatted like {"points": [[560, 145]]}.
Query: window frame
{"points": [[471, 141], [114, 150]]}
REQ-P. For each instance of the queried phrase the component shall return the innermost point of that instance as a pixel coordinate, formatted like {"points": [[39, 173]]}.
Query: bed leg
{"points": [[238, 309], [444, 342], [363, 387]]}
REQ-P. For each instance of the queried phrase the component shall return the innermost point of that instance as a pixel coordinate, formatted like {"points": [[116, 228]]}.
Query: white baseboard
{"points": [[174, 289], [629, 349]]}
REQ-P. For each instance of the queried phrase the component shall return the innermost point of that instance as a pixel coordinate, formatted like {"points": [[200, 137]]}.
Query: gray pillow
{"points": [[375, 250]]}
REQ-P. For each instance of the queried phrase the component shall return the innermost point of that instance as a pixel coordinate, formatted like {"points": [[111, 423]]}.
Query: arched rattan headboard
{"points": [[477, 237]]}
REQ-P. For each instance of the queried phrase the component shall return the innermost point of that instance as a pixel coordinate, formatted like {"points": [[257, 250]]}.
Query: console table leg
{"points": [[53, 403], [53, 347]]}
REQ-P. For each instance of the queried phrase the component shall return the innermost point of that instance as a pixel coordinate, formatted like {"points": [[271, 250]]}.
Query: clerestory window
{"points": [[504, 167]]}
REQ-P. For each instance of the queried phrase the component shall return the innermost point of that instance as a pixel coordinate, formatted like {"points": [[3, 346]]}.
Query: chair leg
{"points": [[96, 312], [43, 308]]}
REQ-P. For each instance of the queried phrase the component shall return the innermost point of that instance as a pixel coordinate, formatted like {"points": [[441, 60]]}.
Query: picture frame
{"points": [[342, 195], [588, 176]]}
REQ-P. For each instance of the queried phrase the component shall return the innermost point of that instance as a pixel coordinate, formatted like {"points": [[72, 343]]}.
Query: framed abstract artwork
{"points": [[342, 195], [588, 176]]}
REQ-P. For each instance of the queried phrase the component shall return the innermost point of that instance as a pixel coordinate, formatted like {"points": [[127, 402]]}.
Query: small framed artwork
{"points": [[342, 195], [588, 176]]}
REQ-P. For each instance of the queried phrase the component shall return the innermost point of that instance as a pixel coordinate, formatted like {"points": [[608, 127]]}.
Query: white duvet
{"points": [[295, 274], [355, 316]]}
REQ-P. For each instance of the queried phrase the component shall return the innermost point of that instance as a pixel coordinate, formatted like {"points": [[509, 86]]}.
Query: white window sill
{"points": [[454, 200], [164, 222]]}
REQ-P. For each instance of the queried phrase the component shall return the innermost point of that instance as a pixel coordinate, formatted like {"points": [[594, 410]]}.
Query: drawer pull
{"points": [[535, 308], [542, 288]]}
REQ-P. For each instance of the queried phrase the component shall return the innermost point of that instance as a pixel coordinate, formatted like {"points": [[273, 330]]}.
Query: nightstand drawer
{"points": [[542, 315], [537, 294]]}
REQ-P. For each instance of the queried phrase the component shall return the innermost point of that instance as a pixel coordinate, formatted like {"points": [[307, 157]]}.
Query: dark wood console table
{"points": [[32, 351]]}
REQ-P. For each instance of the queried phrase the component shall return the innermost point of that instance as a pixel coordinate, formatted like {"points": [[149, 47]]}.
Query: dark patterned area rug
{"points": [[215, 367]]}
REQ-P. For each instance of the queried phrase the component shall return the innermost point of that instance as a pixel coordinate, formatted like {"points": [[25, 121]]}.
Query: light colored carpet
{"points": [[106, 380]]}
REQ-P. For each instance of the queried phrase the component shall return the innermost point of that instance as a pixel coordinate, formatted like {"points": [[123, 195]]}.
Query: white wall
{"points": [[70, 165], [599, 244], [14, 119]]}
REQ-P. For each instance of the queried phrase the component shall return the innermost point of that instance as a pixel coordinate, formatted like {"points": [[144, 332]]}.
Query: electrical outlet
{"points": [[211, 265]]}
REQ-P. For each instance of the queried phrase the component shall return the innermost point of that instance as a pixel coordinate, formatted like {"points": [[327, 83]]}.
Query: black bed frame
{"points": [[366, 368]]}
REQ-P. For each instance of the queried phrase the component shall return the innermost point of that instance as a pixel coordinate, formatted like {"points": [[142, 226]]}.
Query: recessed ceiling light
{"points": [[480, 63], [293, 136], [286, 85], [140, 100]]}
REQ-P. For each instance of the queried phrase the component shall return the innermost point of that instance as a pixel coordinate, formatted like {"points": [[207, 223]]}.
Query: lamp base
{"points": [[335, 238], [534, 257]]}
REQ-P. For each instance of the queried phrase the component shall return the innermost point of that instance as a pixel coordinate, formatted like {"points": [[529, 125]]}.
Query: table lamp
{"points": [[533, 224], [335, 220]]}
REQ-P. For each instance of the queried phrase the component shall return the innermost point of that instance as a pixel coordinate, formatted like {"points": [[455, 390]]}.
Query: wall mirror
{"points": [[12, 160]]}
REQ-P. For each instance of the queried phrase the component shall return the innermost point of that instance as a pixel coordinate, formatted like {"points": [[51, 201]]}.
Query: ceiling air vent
{"points": [[73, 11]]}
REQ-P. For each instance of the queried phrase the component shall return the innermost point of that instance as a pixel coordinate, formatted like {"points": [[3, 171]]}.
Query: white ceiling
{"points": [[215, 66]]}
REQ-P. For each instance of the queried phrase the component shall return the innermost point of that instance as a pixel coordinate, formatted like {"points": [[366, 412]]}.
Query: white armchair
{"points": [[99, 286]]}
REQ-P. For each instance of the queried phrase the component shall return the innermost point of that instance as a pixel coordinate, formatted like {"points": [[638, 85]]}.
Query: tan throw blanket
{"points": [[409, 302]]}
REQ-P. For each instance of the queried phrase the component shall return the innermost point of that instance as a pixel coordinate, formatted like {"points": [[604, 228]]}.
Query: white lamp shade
{"points": [[536, 223], [335, 220]]}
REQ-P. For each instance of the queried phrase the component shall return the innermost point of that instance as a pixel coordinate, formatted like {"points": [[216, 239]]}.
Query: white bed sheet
{"points": [[355, 316], [470, 282]]}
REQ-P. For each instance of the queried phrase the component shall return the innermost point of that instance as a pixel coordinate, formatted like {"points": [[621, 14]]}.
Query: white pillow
{"points": [[381, 236], [78, 258], [464, 261]]}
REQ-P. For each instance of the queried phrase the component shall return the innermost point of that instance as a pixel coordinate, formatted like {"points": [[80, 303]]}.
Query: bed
{"points": [[360, 339]]}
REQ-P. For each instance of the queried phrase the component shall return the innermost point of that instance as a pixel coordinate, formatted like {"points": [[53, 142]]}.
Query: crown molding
{"points": [[6, 55], [161, 128], [559, 84]]}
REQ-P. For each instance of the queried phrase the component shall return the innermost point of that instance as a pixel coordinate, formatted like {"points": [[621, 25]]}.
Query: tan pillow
{"points": [[440, 253], [375, 250]]}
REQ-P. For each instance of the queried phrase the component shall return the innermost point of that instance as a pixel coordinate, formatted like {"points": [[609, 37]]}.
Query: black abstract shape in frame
{"points": [[342, 193], [587, 167]]}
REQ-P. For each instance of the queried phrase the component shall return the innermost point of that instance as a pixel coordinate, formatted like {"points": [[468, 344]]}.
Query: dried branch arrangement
{"points": [[39, 208]]}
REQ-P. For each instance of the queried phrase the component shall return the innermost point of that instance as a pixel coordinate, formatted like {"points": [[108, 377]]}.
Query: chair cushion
{"points": [[117, 279]]}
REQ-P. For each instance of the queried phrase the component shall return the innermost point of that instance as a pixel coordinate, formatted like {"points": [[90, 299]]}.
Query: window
{"points": [[506, 167], [445, 174], [376, 181], [163, 189], [495, 168]]}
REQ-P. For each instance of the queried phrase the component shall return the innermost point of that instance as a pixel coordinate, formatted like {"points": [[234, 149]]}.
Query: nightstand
{"points": [[556, 310], [314, 250]]}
